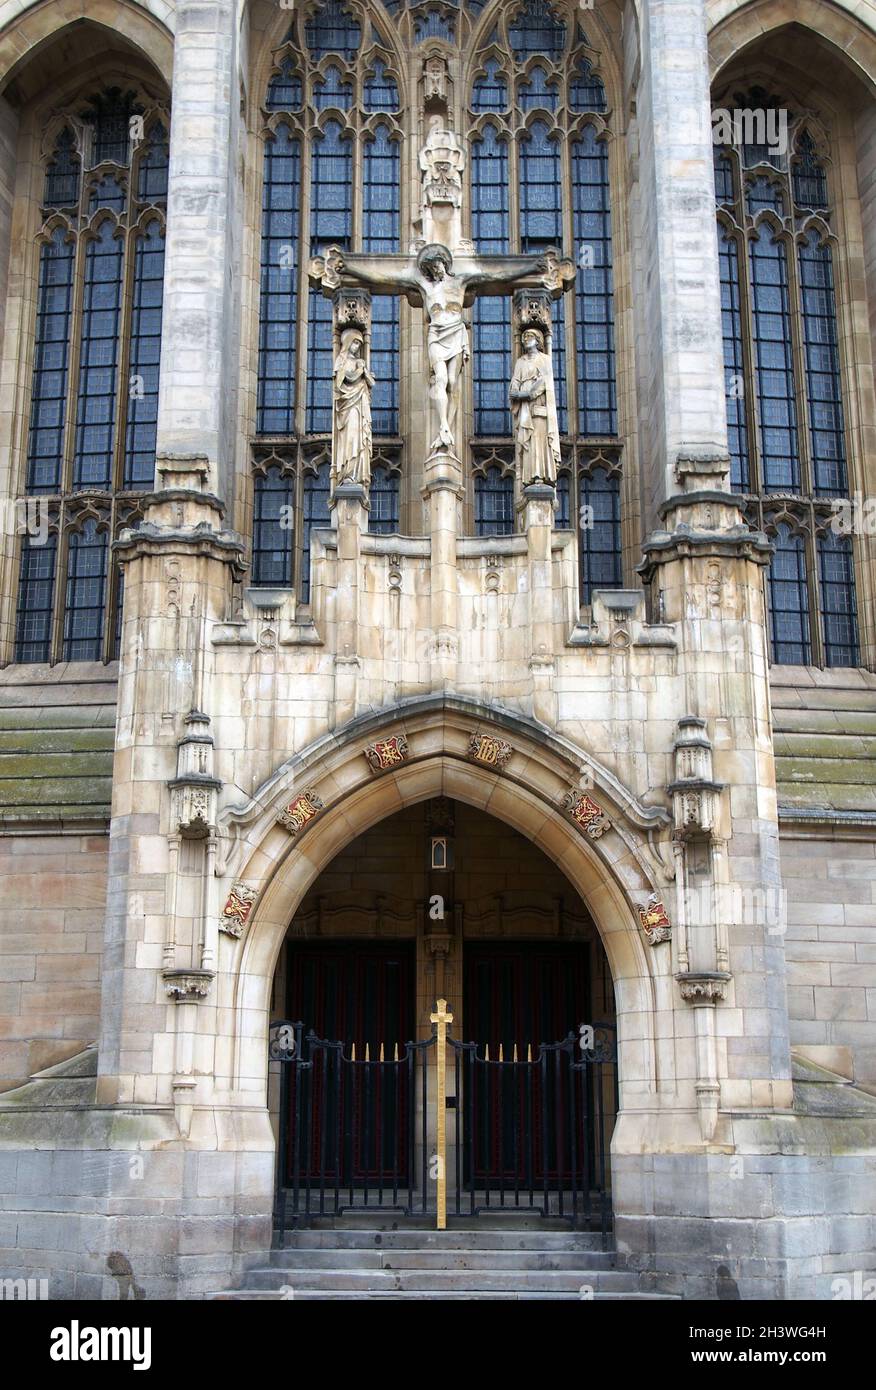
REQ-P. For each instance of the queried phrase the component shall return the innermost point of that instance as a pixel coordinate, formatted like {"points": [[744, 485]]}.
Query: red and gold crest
{"points": [[300, 811], [655, 920], [237, 909], [388, 753], [587, 814], [491, 751]]}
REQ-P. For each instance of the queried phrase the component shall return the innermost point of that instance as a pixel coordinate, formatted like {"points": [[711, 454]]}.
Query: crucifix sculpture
{"points": [[444, 274], [444, 285]]}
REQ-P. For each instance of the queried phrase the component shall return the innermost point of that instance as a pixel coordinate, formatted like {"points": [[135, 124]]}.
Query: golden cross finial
{"points": [[441, 1015]]}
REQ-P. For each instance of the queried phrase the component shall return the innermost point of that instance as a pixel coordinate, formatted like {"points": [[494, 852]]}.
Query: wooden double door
{"points": [[517, 996]]}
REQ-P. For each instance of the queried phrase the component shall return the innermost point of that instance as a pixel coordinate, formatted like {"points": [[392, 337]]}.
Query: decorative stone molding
{"points": [[695, 794], [704, 987], [387, 753], [532, 309], [587, 814], [708, 464], [352, 309], [194, 790], [303, 809], [238, 906], [187, 986], [489, 750], [655, 921]]}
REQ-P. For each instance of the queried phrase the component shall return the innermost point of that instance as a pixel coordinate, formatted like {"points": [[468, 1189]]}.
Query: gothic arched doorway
{"points": [[442, 900]]}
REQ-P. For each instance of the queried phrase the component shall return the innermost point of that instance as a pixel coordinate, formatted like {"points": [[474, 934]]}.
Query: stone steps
{"points": [[338, 1261]]}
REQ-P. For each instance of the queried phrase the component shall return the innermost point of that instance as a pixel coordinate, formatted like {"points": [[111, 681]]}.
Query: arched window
{"points": [[539, 177], [784, 381], [332, 137], [90, 448]]}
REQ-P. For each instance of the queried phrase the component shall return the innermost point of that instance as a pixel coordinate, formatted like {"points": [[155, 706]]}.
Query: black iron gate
{"points": [[353, 1131], [531, 1133]]}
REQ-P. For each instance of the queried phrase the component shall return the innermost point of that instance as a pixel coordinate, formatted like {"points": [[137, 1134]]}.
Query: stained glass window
{"points": [[492, 365], [536, 29], [273, 533], [36, 587], [599, 530], [789, 600], [784, 386], [824, 390], [594, 289], [838, 606], [383, 517], [87, 555], [494, 503], [316, 516], [96, 353], [348, 174], [490, 91], [774, 362]]}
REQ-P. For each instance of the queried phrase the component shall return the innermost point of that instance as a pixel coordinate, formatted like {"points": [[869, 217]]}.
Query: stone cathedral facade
{"points": [[437, 453]]}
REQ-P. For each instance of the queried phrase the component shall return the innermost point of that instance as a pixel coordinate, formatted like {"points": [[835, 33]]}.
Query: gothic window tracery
{"points": [[90, 445], [332, 129], [778, 244], [539, 177]]}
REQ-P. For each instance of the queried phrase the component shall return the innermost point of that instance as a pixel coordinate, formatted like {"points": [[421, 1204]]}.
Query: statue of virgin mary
{"points": [[351, 420]]}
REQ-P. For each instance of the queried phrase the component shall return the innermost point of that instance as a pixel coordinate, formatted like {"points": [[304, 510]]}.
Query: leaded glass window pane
{"points": [[381, 227], [154, 166], [36, 587], [51, 363], [144, 356], [62, 174], [586, 90], [491, 320], [535, 29], [490, 91], [774, 364], [594, 289], [273, 533], [734, 364], [538, 91], [332, 29], [383, 518], [332, 90], [541, 220], [789, 600], [563, 513], [824, 390], [317, 516], [839, 612], [432, 24], [285, 88], [86, 591], [599, 529], [494, 503], [381, 90], [98, 358], [278, 312], [111, 118], [810, 181]]}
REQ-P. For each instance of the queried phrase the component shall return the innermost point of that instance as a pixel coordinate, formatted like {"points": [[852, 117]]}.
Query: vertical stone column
{"points": [[349, 503], [443, 492], [679, 351], [198, 378]]}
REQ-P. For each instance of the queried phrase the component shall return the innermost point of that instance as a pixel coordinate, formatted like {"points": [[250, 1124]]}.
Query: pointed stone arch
{"points": [[614, 870]]}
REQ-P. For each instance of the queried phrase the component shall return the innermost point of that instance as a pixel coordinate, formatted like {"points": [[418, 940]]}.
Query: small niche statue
{"points": [[534, 410], [351, 420]]}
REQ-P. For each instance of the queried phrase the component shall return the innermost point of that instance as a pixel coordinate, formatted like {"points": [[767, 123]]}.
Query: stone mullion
{"points": [[303, 296], [570, 315], [123, 381], [753, 422], [798, 348], [813, 587]]}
